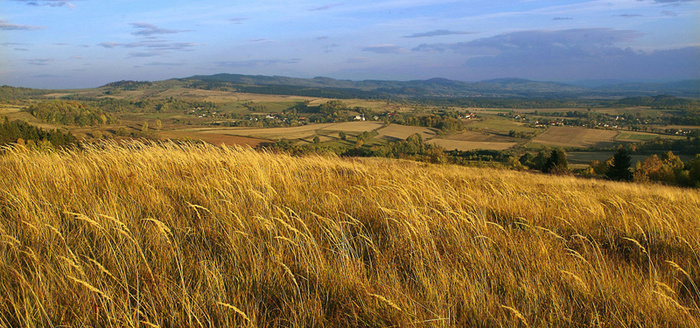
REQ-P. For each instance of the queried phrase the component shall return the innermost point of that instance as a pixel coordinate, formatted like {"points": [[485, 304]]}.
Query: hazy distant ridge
{"points": [[439, 87]]}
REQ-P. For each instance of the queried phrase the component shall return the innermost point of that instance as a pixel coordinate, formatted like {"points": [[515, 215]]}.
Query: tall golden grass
{"points": [[172, 235]]}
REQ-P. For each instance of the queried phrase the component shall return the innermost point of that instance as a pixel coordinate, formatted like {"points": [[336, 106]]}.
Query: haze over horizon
{"points": [[87, 43]]}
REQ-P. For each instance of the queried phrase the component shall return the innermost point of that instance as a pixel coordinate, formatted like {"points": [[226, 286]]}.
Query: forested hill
{"points": [[658, 102], [520, 88], [436, 88]]}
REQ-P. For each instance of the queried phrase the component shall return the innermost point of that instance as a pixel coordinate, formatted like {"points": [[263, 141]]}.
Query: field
{"points": [[401, 132], [247, 119], [492, 129], [569, 136], [471, 140], [5, 109], [355, 127], [179, 125], [163, 235], [296, 132], [478, 137], [500, 125], [451, 144], [216, 137], [634, 136], [629, 136]]}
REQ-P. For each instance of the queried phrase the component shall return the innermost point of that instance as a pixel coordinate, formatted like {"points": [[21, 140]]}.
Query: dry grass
{"points": [[194, 235]]}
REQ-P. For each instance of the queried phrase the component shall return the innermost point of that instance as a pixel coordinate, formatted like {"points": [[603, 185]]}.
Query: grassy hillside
{"points": [[194, 235]]}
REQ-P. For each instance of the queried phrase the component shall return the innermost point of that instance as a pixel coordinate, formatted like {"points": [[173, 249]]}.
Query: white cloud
{"points": [[145, 29], [17, 27], [51, 3], [437, 33]]}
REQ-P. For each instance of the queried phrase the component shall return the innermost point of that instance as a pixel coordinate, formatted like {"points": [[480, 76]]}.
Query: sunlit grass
{"points": [[194, 235]]}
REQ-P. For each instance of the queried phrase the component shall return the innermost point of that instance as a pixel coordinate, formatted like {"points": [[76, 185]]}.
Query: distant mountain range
{"points": [[438, 87]]}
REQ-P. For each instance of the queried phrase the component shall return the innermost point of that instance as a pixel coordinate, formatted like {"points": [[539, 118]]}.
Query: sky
{"points": [[88, 43]]}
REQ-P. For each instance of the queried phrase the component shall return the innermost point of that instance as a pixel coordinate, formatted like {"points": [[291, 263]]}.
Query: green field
{"points": [[640, 136]]}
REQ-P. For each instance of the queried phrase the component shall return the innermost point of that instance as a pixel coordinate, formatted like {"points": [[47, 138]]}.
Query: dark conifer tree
{"points": [[619, 169]]}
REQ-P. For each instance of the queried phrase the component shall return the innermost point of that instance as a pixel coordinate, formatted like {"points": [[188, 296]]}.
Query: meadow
{"points": [[172, 235]]}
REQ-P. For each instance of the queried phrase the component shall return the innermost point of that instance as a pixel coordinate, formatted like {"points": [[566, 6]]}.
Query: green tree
{"points": [[694, 171], [526, 159], [557, 163], [11, 132], [619, 169], [436, 155], [332, 108], [539, 160], [364, 135], [598, 167], [121, 131], [342, 135], [69, 113], [414, 144]]}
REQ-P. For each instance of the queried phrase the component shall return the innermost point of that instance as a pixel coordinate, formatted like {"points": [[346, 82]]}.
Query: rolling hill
{"points": [[439, 87], [163, 235]]}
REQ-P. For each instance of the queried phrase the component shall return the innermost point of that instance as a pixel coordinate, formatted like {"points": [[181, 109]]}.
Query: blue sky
{"points": [[87, 43]]}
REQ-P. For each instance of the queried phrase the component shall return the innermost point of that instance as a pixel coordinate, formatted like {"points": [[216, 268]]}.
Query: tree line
{"points": [[70, 113], [15, 95], [23, 133], [666, 168]]}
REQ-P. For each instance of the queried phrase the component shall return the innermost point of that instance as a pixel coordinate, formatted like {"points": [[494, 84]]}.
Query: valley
{"points": [[263, 118]]}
